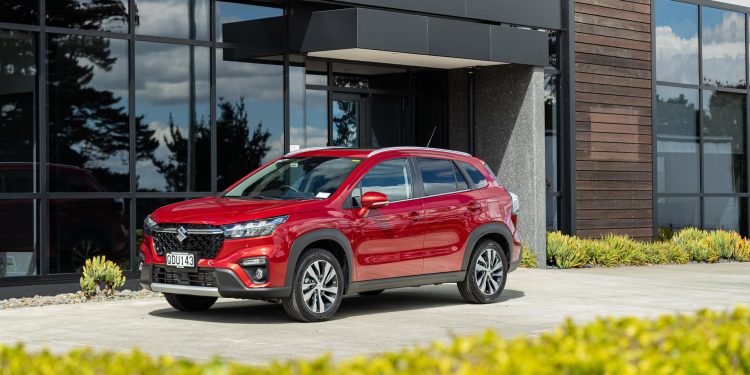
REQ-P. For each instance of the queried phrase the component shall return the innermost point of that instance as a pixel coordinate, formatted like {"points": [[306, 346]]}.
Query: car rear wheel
{"points": [[189, 303], [317, 289], [486, 275]]}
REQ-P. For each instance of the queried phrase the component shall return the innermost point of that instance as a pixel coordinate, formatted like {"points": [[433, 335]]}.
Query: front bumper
{"points": [[228, 285]]}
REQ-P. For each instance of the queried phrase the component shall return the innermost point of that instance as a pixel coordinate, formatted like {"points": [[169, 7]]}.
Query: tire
{"points": [[188, 303], [370, 293], [312, 279], [479, 286]]}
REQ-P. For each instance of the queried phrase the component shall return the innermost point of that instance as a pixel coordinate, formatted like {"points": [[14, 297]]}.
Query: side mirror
{"points": [[372, 200]]}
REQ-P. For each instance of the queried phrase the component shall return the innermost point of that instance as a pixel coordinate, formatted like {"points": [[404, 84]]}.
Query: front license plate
{"points": [[182, 261]]}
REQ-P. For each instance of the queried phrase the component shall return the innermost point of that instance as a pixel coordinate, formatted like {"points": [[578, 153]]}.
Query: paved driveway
{"points": [[534, 301]]}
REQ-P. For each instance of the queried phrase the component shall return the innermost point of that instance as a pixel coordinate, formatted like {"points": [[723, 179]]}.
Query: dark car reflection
{"points": [[78, 228]]}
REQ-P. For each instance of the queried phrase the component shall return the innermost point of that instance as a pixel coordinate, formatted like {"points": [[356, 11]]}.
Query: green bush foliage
{"points": [[528, 259], [702, 343], [98, 272], [687, 245]]}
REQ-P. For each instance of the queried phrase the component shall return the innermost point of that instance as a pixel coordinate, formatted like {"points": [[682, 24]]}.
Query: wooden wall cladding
{"points": [[613, 118]]}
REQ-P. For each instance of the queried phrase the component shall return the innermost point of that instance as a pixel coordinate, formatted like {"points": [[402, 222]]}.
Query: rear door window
{"points": [[477, 178], [439, 176]]}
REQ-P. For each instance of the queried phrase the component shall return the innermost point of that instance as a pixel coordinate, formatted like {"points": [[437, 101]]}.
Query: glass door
{"points": [[347, 119]]}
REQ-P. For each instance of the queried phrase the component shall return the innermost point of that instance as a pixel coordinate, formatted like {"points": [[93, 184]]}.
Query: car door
{"points": [[450, 209], [388, 241]]}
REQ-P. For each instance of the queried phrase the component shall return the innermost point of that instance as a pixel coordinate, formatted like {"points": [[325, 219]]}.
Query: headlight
{"points": [[516, 208], [149, 226], [255, 228]]}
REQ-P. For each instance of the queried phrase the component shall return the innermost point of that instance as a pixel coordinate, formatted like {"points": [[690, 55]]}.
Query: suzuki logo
{"points": [[181, 234]]}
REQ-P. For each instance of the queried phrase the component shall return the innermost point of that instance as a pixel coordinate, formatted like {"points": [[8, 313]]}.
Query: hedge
{"points": [[687, 245], [702, 343]]}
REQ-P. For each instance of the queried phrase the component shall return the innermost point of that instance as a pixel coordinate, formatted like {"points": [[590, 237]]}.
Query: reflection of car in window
{"points": [[317, 224], [78, 228]]}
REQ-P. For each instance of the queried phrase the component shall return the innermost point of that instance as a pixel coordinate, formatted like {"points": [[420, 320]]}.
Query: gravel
{"points": [[71, 298]]}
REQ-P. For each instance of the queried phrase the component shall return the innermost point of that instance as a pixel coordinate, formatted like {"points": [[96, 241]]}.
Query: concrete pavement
{"points": [[534, 301]]}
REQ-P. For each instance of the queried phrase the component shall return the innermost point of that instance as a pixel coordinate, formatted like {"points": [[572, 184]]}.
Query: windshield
{"points": [[296, 178]]}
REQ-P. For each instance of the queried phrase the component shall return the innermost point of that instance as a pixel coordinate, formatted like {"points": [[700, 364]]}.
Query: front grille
{"points": [[206, 245], [202, 277]]}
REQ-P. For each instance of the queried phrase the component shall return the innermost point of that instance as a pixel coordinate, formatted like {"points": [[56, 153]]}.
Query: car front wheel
{"points": [[486, 275], [317, 289]]}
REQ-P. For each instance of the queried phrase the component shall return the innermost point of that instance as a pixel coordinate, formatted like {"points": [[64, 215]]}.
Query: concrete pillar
{"points": [[509, 136]]}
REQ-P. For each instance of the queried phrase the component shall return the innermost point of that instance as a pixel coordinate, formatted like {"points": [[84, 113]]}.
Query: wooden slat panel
{"points": [[619, 5], [644, 139], [612, 32], [613, 90], [613, 175], [614, 204], [613, 147], [613, 109], [613, 51], [583, 18], [612, 13], [612, 214], [613, 71], [609, 118], [612, 156], [635, 233], [586, 165], [588, 58], [600, 40], [613, 99], [611, 194], [614, 223], [614, 185]]}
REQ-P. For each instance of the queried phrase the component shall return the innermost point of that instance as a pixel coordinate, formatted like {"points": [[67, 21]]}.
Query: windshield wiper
{"points": [[261, 197]]}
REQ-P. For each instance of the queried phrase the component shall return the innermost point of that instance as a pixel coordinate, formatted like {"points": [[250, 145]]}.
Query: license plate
{"points": [[183, 261]]}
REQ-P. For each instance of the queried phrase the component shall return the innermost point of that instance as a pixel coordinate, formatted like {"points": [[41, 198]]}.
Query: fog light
{"points": [[253, 262], [260, 274]]}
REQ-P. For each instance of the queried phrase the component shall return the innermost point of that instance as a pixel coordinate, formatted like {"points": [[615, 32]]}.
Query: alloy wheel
{"points": [[320, 286], [488, 271]]}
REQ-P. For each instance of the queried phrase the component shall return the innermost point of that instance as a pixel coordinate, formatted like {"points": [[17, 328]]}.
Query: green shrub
{"points": [[556, 242], [656, 252], [528, 259], [627, 251], [688, 235], [572, 256], [676, 254], [702, 343], [98, 272], [723, 242], [742, 251], [599, 253]]}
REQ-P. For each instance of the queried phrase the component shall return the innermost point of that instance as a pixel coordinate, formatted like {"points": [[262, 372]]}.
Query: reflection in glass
{"points": [[172, 98], [390, 177], [724, 142], [677, 140], [308, 112], [676, 42], [88, 113], [345, 120], [231, 17], [102, 15], [358, 76], [676, 213], [316, 72], [552, 213], [723, 38], [19, 237], [551, 131], [250, 114], [14, 11], [143, 208], [728, 213], [82, 228], [18, 98], [386, 120], [186, 19]]}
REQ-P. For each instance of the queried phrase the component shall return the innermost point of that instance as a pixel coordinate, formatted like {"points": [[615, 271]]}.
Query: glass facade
{"points": [[553, 147], [701, 117]]}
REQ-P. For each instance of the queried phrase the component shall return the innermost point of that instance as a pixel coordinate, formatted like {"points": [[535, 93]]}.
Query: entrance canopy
{"points": [[405, 39]]}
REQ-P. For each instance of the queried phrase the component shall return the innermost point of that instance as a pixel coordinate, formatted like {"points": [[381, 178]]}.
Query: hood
{"points": [[218, 211]]}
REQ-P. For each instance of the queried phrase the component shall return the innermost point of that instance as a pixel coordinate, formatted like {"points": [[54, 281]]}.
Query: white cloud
{"points": [[170, 18], [676, 58]]}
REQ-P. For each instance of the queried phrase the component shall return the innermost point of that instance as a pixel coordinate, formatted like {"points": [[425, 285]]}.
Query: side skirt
{"points": [[405, 281]]}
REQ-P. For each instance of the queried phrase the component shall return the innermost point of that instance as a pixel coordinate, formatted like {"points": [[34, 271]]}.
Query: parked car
{"points": [[318, 224]]}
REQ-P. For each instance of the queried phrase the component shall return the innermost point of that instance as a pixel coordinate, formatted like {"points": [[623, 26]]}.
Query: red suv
{"points": [[318, 224]]}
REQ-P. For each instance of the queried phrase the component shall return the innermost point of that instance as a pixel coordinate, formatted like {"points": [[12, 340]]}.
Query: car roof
{"points": [[365, 153]]}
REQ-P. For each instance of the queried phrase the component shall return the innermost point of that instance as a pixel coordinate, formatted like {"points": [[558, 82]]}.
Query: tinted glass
{"points": [[249, 24], [386, 120], [438, 176], [728, 213], [676, 213], [18, 106], [88, 113], [173, 18], [477, 178], [345, 117], [308, 112], [296, 178], [390, 177], [82, 228], [316, 72], [14, 11], [143, 208], [677, 140], [551, 127], [676, 42], [358, 76], [19, 230], [172, 117], [103, 15], [553, 209], [723, 37], [461, 182], [250, 114], [724, 142]]}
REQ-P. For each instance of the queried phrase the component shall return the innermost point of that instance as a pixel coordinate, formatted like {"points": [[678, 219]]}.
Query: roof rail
{"points": [[415, 148], [312, 149]]}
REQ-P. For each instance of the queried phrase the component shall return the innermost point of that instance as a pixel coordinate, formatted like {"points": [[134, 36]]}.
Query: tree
{"points": [[239, 149]]}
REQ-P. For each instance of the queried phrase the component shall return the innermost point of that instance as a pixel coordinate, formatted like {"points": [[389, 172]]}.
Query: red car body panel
{"points": [[418, 236]]}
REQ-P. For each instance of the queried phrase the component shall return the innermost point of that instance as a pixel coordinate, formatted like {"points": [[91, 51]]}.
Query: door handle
{"points": [[415, 216]]}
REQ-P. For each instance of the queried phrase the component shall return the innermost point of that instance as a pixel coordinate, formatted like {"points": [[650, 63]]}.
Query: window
{"points": [[308, 111], [461, 183], [724, 142], [19, 251], [438, 176], [675, 213], [723, 43], [476, 177], [676, 42], [236, 23], [173, 18], [677, 140], [14, 11], [390, 177], [111, 15]]}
